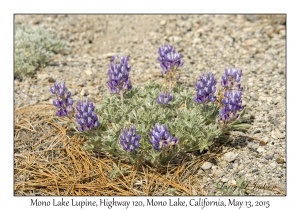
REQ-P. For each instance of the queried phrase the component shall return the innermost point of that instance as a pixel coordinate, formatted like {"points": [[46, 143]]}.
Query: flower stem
{"points": [[122, 97]]}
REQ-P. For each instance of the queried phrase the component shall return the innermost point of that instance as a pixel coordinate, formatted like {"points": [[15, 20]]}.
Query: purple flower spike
{"points": [[86, 118], [129, 140], [233, 101], [232, 104], [63, 99], [206, 88], [160, 137], [119, 74], [164, 98], [231, 77], [169, 59]]}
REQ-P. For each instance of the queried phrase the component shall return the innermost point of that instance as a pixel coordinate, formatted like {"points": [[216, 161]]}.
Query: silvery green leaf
{"points": [[241, 126]]}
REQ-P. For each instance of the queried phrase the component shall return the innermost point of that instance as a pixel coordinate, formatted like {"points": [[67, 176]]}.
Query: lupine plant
{"points": [[131, 128], [231, 77], [129, 139], [86, 117], [164, 98], [169, 60], [118, 73], [33, 49], [162, 141], [232, 100], [63, 100]]}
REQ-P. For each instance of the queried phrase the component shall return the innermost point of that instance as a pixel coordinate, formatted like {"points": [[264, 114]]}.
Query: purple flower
{"points": [[206, 88], [233, 101], [226, 116], [231, 77], [63, 99], [129, 140], [119, 74], [164, 98], [86, 117], [169, 59], [160, 137], [232, 104]]}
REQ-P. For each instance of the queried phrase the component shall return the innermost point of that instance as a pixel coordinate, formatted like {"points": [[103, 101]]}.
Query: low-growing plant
{"points": [[33, 49], [239, 189], [157, 122]]}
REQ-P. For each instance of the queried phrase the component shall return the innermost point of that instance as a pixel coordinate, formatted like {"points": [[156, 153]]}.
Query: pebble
{"points": [[42, 76], [229, 157], [273, 165], [279, 134], [241, 167], [252, 145], [224, 179], [230, 166], [217, 172], [206, 165], [88, 72], [260, 149], [269, 155], [83, 93]]}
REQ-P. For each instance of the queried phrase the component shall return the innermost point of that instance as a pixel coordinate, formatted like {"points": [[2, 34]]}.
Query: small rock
{"points": [[252, 145], [266, 139], [225, 179], [83, 93], [88, 72], [206, 165], [280, 161], [230, 166], [250, 42], [260, 149], [254, 170], [196, 40], [163, 22], [229, 156], [42, 76], [109, 55], [79, 83], [56, 72], [241, 167], [269, 155], [252, 18], [273, 165], [217, 172], [46, 96], [279, 134], [262, 143], [242, 173], [175, 39], [51, 80]]}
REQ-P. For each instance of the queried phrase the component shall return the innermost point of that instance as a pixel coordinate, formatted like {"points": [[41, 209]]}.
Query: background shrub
{"points": [[33, 49]]}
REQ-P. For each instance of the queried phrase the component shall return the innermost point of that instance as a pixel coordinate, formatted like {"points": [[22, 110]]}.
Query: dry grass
{"points": [[49, 160]]}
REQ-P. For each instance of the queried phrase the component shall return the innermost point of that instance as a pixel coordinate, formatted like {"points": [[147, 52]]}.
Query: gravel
{"points": [[255, 43]]}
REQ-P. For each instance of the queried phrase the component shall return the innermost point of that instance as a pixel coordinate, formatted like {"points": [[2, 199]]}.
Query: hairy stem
{"points": [[122, 97]]}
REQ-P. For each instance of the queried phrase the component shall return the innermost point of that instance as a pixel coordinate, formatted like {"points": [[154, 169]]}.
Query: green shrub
{"points": [[33, 49], [195, 128]]}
